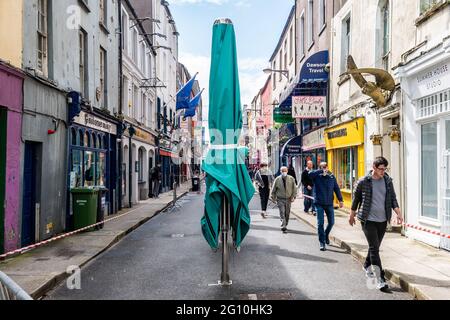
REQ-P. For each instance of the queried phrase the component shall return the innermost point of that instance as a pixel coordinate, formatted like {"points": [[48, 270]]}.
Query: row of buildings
{"points": [[87, 98], [409, 39]]}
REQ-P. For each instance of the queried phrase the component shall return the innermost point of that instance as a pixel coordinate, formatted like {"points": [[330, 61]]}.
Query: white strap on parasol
{"points": [[224, 147]]}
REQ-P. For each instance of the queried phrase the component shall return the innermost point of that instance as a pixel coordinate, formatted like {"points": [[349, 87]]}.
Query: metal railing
{"points": [[9, 290]]}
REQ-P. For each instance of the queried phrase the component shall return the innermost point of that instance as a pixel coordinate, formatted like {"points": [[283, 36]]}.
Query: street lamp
{"points": [[283, 72], [144, 19]]}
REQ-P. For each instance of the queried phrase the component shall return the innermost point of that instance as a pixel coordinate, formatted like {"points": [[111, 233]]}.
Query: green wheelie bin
{"points": [[84, 207]]}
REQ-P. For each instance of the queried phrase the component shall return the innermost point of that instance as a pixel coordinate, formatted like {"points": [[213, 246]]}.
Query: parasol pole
{"points": [[225, 227]]}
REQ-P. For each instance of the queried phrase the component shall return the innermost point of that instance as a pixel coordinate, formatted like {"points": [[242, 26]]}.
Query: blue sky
{"points": [[258, 25]]}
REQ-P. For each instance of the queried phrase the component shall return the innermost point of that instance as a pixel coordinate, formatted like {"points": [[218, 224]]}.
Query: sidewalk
{"points": [[40, 270], [421, 270]]}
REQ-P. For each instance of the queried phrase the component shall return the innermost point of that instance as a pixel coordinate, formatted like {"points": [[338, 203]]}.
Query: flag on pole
{"points": [[193, 106], [184, 95]]}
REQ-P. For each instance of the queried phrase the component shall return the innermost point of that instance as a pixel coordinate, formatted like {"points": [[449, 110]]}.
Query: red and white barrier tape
{"points": [[436, 233], [408, 225], [65, 235]]}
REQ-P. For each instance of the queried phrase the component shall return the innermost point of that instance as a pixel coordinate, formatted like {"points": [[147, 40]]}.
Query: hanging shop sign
{"points": [[292, 148], [314, 69], [309, 107], [91, 121], [165, 145], [283, 115], [314, 140]]}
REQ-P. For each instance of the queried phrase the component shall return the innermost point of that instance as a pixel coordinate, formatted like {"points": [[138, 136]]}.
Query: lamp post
{"points": [[132, 132], [283, 72]]}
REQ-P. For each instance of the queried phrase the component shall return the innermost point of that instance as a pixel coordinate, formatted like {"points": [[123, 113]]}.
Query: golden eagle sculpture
{"points": [[381, 90]]}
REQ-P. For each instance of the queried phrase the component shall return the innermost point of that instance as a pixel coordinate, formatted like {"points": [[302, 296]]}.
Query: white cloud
{"points": [[251, 77]]}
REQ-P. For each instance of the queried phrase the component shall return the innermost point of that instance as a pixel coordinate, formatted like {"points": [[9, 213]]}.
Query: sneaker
{"points": [[284, 229], [322, 247], [327, 241], [382, 285], [263, 216], [369, 272]]}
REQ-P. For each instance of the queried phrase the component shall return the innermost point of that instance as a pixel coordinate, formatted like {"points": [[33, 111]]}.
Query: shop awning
{"points": [[311, 80], [292, 148]]}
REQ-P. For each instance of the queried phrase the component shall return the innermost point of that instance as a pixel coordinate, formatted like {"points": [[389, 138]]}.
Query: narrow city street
{"points": [[167, 258]]}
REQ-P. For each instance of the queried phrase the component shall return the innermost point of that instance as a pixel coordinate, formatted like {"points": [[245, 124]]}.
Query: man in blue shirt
{"points": [[325, 186]]}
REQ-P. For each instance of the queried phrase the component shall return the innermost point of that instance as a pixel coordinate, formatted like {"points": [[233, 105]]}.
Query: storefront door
{"points": [[445, 226]]}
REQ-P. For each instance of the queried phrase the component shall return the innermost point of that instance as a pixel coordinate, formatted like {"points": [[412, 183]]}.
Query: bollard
{"points": [[174, 194]]}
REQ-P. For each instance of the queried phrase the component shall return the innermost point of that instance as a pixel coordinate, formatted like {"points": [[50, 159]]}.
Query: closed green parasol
{"points": [[229, 188]]}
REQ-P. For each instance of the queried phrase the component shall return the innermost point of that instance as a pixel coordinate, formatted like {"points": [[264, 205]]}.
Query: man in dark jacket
{"points": [[156, 179], [291, 172], [325, 186], [375, 198], [308, 185]]}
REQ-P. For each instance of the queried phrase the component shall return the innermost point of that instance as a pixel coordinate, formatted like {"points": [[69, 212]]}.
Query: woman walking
{"points": [[264, 179]]}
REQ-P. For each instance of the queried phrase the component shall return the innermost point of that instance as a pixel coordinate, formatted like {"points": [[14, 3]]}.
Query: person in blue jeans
{"points": [[325, 186]]}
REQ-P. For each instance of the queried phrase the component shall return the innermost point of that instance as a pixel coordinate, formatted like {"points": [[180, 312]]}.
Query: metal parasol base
{"points": [[224, 230]]}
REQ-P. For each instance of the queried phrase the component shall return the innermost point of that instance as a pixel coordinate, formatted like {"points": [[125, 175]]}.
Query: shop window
{"points": [[94, 140], [87, 139], [100, 142], [73, 135], [89, 169], [101, 169], [345, 167], [105, 142], [141, 165], [76, 174], [80, 138], [429, 171]]}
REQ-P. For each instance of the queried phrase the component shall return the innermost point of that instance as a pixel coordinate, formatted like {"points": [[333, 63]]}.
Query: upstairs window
{"points": [[346, 43], [42, 47]]}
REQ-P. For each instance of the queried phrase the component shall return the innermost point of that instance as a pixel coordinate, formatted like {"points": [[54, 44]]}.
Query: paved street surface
{"points": [[167, 258]]}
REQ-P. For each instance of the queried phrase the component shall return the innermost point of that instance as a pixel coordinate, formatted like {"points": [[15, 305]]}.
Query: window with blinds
{"points": [[433, 105]]}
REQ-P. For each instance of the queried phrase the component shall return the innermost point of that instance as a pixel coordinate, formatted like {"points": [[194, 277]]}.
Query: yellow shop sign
{"points": [[345, 135]]}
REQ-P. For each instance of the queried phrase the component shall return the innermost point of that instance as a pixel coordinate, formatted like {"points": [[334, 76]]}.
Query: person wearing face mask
{"points": [[325, 186], [283, 193]]}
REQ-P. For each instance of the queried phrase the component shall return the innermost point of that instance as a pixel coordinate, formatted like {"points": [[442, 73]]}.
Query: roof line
{"points": [[280, 41]]}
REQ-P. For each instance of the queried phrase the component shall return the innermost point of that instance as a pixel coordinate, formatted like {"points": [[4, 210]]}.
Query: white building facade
{"points": [[139, 106], [425, 79]]}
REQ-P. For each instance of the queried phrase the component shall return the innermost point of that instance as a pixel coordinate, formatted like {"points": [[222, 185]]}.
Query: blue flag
{"points": [[196, 101], [193, 106], [189, 113], [184, 95]]}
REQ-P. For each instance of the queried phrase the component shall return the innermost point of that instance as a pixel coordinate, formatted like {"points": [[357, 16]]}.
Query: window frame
{"points": [[103, 77], [346, 41], [42, 37], [83, 63], [310, 23]]}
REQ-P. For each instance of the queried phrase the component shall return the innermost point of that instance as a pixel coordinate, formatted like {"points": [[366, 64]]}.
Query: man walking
{"points": [[156, 178], [325, 186], [374, 199], [308, 185], [291, 172], [284, 192]]}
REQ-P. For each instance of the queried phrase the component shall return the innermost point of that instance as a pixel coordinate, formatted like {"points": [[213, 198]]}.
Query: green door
{"points": [[2, 175]]}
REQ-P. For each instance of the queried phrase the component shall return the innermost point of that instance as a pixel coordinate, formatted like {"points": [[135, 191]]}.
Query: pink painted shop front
{"points": [[11, 102]]}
